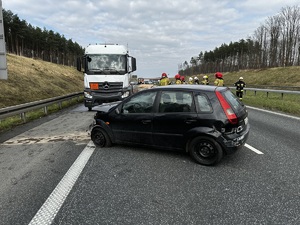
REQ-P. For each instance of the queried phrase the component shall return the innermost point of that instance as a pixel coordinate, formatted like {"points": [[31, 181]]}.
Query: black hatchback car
{"points": [[206, 121]]}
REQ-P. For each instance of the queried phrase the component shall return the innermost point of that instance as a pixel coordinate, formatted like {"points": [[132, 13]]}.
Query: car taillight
{"points": [[227, 109]]}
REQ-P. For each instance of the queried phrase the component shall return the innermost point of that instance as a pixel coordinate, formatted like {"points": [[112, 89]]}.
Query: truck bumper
{"points": [[92, 98]]}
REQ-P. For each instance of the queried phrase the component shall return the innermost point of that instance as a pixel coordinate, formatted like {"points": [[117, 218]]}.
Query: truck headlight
{"points": [[126, 94], [87, 95]]}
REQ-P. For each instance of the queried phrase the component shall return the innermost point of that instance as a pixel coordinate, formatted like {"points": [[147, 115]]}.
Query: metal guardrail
{"points": [[268, 91], [23, 108]]}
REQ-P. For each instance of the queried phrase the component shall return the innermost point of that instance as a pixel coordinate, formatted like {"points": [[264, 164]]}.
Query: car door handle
{"points": [[190, 121], [146, 121]]}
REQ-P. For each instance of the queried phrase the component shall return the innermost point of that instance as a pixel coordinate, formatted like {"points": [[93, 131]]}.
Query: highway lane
{"points": [[130, 185], [34, 158]]}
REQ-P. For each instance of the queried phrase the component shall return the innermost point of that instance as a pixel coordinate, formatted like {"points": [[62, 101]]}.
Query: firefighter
{"points": [[219, 79], [205, 80], [191, 80], [177, 79], [240, 84], [196, 80], [182, 79], [164, 80]]}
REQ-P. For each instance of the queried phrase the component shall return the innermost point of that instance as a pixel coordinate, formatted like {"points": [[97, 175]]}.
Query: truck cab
{"points": [[107, 72]]}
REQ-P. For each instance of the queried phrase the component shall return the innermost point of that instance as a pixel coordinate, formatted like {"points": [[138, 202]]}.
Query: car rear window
{"points": [[233, 100]]}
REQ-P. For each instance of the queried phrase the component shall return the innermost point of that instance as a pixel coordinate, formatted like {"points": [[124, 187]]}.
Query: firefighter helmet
{"points": [[218, 75], [164, 75], [177, 76]]}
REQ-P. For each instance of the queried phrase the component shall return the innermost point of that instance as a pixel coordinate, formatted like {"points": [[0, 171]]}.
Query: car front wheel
{"points": [[100, 138], [205, 151]]}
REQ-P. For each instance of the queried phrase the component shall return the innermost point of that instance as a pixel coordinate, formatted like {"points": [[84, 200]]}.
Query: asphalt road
{"points": [[130, 185]]}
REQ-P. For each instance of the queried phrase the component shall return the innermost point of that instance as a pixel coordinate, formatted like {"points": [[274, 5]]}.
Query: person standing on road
{"points": [[182, 79], [240, 84], [177, 79], [191, 80], [205, 80], [219, 79], [196, 80], [164, 80]]}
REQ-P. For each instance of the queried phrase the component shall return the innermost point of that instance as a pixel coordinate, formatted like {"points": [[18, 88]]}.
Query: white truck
{"points": [[107, 73]]}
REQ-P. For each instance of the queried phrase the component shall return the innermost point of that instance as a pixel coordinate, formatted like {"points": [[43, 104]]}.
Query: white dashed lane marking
{"points": [[253, 149]]}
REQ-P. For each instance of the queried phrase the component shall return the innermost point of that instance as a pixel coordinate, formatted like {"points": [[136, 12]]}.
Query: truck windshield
{"points": [[114, 64]]}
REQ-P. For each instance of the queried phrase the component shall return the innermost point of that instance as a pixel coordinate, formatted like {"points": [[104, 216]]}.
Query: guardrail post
{"points": [[46, 110], [267, 94], [59, 105], [281, 95], [23, 117]]}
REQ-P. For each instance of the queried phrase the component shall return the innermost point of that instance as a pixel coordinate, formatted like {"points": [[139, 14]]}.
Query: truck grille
{"points": [[110, 86]]}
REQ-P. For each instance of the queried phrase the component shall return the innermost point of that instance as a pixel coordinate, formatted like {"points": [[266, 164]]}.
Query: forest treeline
{"points": [[26, 40], [274, 44]]}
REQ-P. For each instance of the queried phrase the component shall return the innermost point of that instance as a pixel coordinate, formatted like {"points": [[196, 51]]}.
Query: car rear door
{"points": [[175, 116]]}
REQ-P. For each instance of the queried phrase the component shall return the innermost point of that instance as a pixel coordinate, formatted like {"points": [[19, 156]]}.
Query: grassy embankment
{"points": [[31, 79]]}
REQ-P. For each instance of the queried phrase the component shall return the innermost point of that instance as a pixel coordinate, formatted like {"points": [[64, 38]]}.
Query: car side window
{"points": [[203, 103], [141, 103], [175, 101]]}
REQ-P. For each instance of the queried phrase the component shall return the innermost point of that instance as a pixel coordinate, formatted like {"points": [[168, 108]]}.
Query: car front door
{"points": [[175, 116], [133, 123]]}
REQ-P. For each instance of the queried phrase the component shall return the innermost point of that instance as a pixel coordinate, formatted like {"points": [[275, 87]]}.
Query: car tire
{"points": [[100, 138], [205, 151], [90, 108]]}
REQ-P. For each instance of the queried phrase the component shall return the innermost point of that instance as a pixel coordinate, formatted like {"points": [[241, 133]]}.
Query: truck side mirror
{"points": [[79, 64], [133, 63]]}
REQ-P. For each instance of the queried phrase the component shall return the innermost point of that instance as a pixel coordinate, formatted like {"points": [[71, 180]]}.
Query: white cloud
{"points": [[160, 34]]}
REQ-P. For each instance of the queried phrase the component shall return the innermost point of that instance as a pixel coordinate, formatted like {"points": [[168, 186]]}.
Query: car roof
{"points": [[191, 87]]}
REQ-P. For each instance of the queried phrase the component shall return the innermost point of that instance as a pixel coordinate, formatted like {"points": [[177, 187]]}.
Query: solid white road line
{"points": [[253, 149], [50, 208], [276, 113]]}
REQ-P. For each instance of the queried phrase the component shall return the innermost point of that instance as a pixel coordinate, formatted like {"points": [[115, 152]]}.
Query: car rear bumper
{"points": [[234, 142]]}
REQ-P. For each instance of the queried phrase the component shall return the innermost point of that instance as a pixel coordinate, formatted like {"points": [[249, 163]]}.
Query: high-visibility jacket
{"points": [[205, 82], [219, 82], [178, 81], [240, 85], [164, 81]]}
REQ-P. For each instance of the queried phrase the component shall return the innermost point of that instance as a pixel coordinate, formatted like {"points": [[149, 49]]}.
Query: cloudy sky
{"points": [[161, 34]]}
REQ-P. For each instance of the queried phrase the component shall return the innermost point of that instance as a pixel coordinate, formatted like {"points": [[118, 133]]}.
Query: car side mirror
{"points": [[118, 109]]}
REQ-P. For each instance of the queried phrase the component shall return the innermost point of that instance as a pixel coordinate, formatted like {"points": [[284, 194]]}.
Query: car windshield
{"points": [[107, 62]]}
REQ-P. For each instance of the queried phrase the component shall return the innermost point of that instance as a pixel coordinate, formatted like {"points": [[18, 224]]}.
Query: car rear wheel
{"points": [[100, 138], [205, 151]]}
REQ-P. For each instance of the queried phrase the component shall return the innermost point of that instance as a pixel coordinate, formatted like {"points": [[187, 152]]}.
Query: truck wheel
{"points": [[100, 138], [205, 151]]}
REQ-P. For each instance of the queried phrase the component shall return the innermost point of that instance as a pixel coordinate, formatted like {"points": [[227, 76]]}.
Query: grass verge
{"points": [[288, 103]]}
